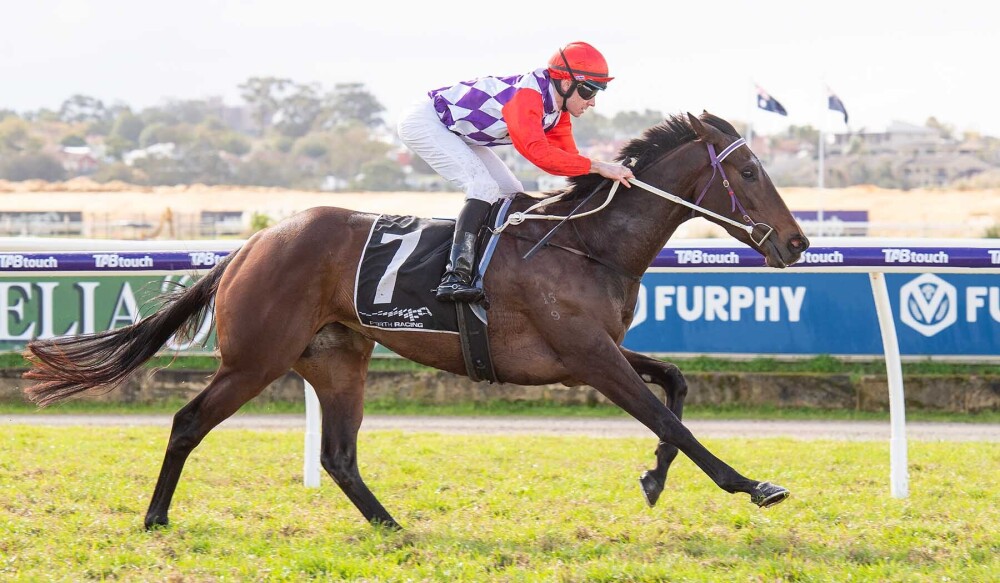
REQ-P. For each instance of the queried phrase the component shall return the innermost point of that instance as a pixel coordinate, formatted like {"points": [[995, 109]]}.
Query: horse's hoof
{"points": [[767, 494], [651, 488], [155, 522], [386, 523]]}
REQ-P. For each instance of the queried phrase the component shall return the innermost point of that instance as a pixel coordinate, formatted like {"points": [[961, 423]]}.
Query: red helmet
{"points": [[580, 61]]}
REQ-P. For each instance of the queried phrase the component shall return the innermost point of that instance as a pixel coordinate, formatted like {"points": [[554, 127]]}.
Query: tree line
{"points": [[285, 134]]}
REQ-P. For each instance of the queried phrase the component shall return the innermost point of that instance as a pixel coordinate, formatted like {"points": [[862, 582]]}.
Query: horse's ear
{"points": [[697, 126]]}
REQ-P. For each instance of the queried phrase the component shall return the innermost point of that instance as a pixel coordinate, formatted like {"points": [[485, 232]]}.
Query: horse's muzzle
{"points": [[781, 255]]}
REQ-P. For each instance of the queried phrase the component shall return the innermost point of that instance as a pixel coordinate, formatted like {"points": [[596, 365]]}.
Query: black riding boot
{"points": [[456, 285]]}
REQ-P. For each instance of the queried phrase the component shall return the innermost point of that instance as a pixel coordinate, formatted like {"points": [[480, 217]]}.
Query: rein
{"points": [[748, 224]]}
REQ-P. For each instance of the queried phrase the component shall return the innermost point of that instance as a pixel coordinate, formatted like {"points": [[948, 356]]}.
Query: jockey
{"points": [[455, 128]]}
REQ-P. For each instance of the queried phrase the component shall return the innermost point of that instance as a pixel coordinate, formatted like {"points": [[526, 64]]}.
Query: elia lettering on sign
{"points": [[63, 306]]}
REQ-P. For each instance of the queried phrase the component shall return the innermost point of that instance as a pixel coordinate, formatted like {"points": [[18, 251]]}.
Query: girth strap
{"points": [[472, 334]]}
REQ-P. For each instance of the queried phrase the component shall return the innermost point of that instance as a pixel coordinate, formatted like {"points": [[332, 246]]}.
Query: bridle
{"points": [[748, 224]]}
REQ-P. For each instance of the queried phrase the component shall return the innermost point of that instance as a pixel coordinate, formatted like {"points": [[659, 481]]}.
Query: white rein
{"points": [[519, 217]]}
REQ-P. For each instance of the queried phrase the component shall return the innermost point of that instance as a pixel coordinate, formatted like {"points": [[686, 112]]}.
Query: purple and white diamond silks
{"points": [[474, 109]]}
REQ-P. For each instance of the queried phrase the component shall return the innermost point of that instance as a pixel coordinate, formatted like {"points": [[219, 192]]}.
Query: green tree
{"points": [[631, 124], [83, 108], [15, 136], [116, 146], [313, 146], [351, 103], [263, 94], [382, 175], [72, 140], [296, 113], [591, 128], [234, 143], [263, 169], [161, 133], [128, 126], [31, 166], [350, 148]]}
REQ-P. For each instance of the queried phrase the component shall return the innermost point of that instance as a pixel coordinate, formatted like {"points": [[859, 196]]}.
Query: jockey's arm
{"points": [[523, 114], [554, 152]]}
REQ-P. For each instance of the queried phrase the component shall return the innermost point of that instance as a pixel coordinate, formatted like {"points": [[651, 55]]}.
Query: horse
{"points": [[283, 300]]}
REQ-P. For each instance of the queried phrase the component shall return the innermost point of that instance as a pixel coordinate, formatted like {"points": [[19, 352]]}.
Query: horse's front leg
{"points": [[600, 364], [675, 388]]}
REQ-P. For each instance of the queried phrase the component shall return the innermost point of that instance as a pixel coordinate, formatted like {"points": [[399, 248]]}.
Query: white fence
{"points": [[851, 255]]}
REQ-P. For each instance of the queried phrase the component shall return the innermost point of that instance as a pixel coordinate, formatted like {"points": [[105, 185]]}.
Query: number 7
{"points": [[387, 283]]}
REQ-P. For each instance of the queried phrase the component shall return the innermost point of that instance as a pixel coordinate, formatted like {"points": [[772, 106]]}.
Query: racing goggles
{"points": [[588, 89]]}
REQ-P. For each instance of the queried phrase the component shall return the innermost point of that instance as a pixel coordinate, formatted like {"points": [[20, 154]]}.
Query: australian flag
{"points": [[836, 104], [768, 103]]}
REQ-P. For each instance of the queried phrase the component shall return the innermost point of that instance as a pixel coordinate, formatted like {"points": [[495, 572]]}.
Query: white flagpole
{"points": [[822, 172], [753, 106]]}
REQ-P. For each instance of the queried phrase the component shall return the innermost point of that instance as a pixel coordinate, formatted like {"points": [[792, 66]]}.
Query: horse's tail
{"points": [[67, 366]]}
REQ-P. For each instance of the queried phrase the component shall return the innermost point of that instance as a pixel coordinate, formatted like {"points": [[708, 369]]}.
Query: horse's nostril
{"points": [[798, 243]]}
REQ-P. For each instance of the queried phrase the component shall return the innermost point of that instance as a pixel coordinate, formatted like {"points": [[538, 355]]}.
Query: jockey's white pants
{"points": [[476, 170]]}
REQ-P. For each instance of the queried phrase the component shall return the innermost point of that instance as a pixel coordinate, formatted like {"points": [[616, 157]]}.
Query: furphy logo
{"points": [[697, 256], [116, 261], [719, 303], [17, 261], [205, 259], [928, 304]]}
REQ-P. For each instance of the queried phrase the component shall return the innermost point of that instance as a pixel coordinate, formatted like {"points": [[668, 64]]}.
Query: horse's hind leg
{"points": [[336, 365], [225, 394], [675, 389]]}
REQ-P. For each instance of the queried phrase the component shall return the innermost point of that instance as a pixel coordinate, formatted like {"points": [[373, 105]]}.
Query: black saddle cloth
{"points": [[401, 267]]}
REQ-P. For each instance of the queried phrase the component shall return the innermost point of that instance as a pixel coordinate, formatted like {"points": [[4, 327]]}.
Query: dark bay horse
{"points": [[284, 300]]}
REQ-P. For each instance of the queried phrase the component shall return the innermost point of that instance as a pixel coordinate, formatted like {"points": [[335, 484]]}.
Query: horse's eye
{"points": [[747, 174]]}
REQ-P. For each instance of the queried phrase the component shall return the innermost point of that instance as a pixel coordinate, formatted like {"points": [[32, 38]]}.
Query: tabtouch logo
{"points": [[928, 304]]}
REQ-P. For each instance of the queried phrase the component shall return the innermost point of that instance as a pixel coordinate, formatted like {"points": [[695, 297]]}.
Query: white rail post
{"points": [[310, 467], [898, 476]]}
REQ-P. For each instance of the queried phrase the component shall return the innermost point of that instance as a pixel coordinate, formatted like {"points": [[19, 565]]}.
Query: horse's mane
{"points": [[672, 133]]}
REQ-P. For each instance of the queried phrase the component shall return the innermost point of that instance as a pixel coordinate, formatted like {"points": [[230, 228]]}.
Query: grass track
{"points": [[497, 509]]}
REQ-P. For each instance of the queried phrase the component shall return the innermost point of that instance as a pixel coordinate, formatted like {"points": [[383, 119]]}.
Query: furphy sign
{"points": [[813, 313], [686, 304], [46, 307]]}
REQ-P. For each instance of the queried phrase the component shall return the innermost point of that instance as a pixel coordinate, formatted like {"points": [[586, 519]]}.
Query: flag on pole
{"points": [[836, 104], [768, 103]]}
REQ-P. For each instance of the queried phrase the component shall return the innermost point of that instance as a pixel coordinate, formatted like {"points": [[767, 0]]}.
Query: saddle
{"points": [[401, 266]]}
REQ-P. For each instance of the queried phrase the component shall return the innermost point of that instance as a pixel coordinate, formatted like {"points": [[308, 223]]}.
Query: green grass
{"points": [[521, 508], [503, 408], [815, 365]]}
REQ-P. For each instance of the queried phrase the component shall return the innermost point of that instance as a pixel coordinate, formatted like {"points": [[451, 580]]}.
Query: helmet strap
{"points": [[572, 85]]}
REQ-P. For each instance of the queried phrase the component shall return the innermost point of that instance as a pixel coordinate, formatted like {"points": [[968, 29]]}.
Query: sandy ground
{"points": [[893, 213], [806, 430]]}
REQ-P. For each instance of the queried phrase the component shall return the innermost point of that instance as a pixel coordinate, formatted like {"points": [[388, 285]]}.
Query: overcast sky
{"points": [[885, 60]]}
